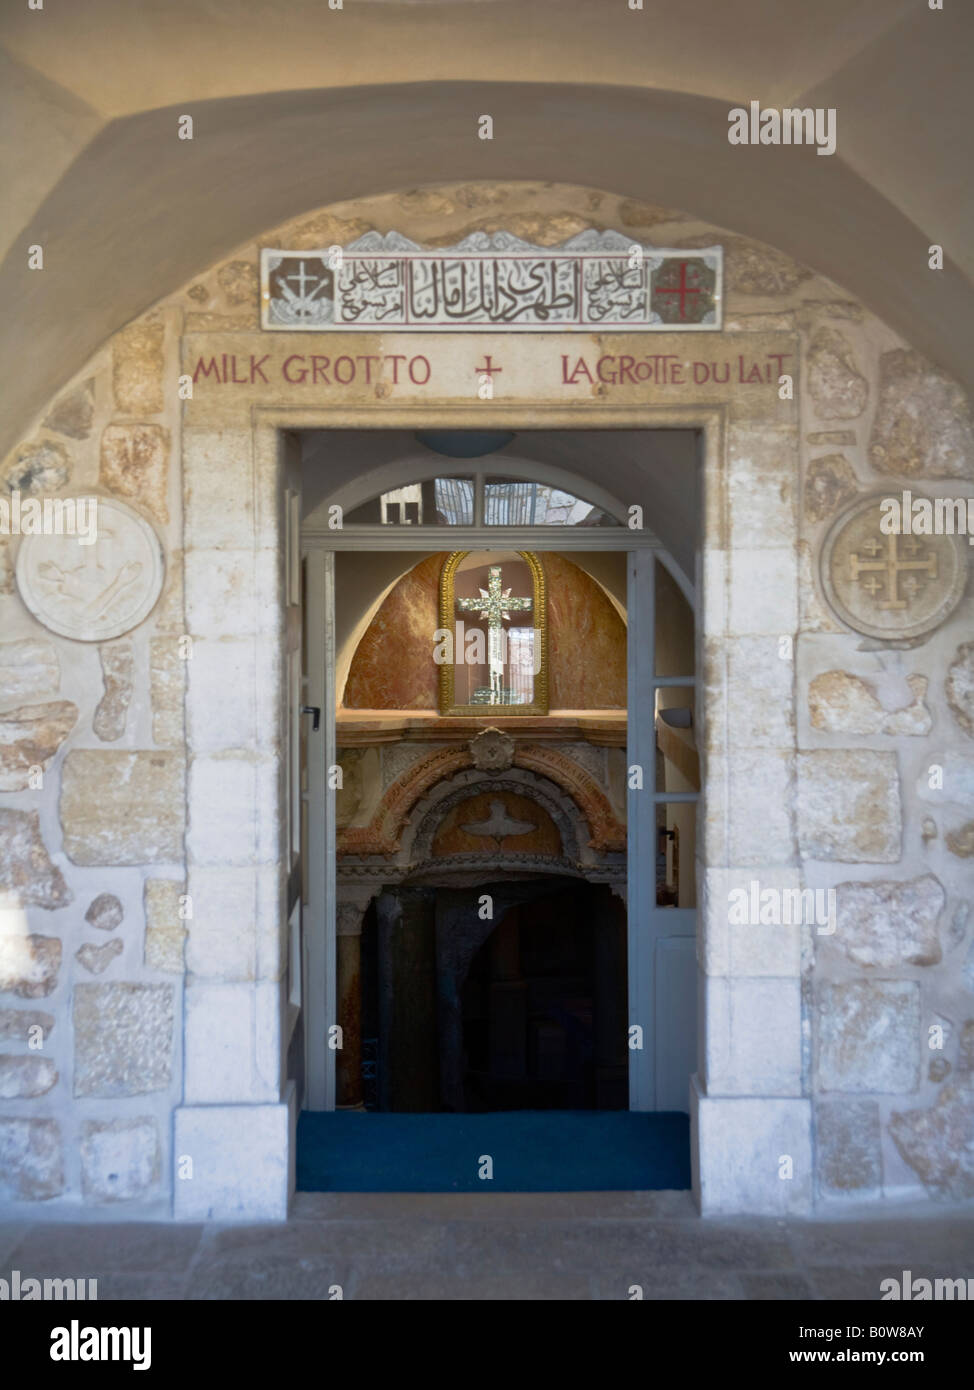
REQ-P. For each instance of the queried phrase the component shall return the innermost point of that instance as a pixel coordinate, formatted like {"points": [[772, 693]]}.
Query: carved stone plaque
{"points": [[92, 592], [890, 586], [595, 281]]}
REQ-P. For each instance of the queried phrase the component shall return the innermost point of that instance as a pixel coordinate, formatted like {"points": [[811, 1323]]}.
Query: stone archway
{"points": [[424, 891], [784, 765]]}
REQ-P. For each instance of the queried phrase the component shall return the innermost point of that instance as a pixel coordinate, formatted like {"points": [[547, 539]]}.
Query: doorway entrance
{"points": [[555, 1001], [527, 1012]]}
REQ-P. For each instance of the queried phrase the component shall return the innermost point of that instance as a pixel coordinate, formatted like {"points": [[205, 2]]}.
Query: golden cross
{"points": [[890, 569]]}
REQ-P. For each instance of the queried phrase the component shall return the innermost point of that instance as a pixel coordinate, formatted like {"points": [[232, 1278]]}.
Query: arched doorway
{"points": [[543, 1006], [525, 1011], [527, 1004]]}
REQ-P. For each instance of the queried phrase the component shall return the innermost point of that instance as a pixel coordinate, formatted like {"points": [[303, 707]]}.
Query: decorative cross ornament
{"points": [[494, 605], [682, 287], [891, 568]]}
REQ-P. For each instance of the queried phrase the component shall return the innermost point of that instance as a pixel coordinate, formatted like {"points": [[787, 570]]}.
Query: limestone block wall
{"points": [[836, 737], [92, 816]]}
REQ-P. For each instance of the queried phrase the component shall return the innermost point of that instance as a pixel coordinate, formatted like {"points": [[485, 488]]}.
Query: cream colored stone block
{"points": [[220, 1026], [27, 873], [849, 1147], [123, 808], [29, 963], [220, 705], [138, 363], [868, 1036], [167, 677], [243, 1160], [761, 797], [165, 927], [135, 465], [218, 489], [762, 469], [753, 1037], [738, 1148], [271, 847], [763, 592], [29, 669], [766, 944], [30, 737], [31, 1159], [222, 942], [97, 958], [123, 1035], [922, 427], [117, 669], [25, 1078], [760, 693], [232, 592], [270, 1012], [222, 809], [715, 600], [849, 806], [272, 926], [120, 1159]]}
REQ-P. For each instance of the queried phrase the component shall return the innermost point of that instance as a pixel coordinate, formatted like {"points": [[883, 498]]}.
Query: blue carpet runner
{"points": [[532, 1151]]}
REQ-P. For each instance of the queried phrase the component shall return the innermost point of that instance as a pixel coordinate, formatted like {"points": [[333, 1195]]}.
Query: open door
{"points": [[295, 829], [313, 713], [310, 801]]}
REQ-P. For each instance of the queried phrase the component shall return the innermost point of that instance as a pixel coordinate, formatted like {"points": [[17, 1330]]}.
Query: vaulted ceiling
{"points": [[298, 105]]}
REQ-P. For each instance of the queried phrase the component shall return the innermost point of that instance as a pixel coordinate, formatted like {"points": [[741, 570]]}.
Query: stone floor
{"points": [[500, 1246]]}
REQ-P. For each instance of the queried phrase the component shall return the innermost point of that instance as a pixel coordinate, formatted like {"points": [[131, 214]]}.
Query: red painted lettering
{"points": [[580, 366], [295, 357], [701, 372], [395, 359], [368, 367], [347, 380], [202, 368], [412, 363], [237, 381], [626, 365], [318, 370], [258, 366], [609, 380]]}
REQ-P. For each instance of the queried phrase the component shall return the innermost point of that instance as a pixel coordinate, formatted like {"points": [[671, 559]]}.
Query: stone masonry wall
{"points": [[93, 916]]}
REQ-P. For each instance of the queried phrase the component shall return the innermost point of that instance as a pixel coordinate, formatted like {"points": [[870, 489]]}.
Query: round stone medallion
{"points": [[890, 586], [95, 591]]}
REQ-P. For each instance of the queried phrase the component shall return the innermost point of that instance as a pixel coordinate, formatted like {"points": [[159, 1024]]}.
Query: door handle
{"points": [[315, 712]]}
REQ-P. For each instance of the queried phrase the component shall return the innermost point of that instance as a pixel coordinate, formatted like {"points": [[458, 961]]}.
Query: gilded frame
{"points": [[447, 687]]}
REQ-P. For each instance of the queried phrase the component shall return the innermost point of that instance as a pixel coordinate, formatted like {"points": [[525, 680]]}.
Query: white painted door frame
{"points": [[648, 925]]}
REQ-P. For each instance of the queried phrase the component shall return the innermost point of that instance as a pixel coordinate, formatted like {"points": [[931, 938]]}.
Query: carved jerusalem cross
{"points": [[889, 570], [494, 605]]}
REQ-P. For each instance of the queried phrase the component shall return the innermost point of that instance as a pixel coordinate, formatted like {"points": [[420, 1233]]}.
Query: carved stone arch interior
{"points": [[428, 814], [569, 784]]}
